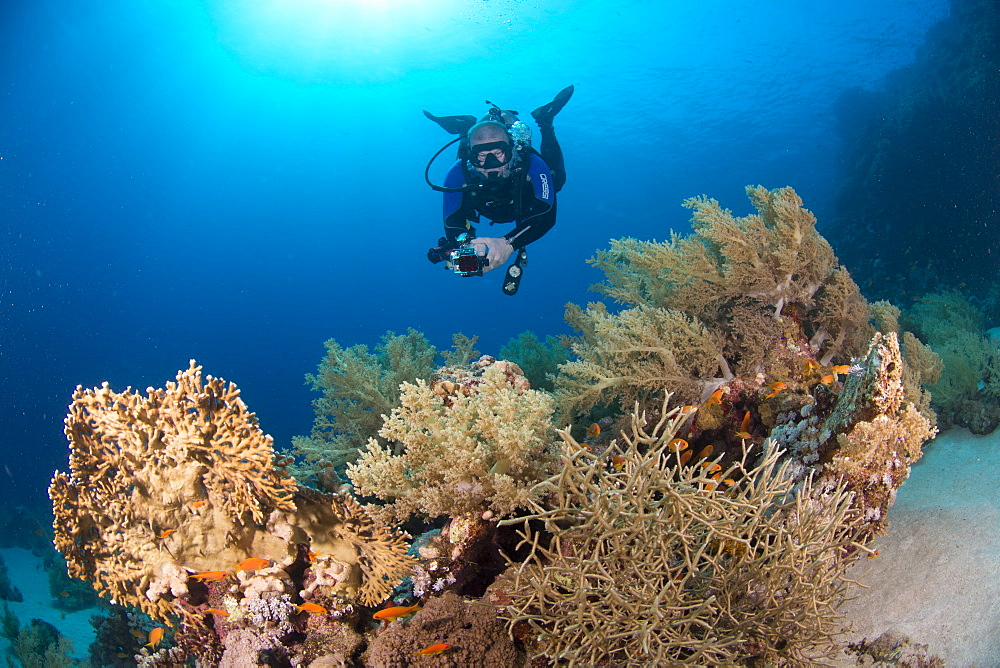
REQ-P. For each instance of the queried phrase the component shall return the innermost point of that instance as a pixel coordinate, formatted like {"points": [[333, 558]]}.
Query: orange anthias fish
{"points": [[216, 611], [775, 388], [253, 564], [841, 369], [688, 410], [199, 504], [716, 397], [594, 430], [312, 607], [828, 379], [210, 576], [155, 636], [677, 445], [431, 650], [744, 432], [164, 534], [617, 462], [810, 365], [706, 452], [396, 612]]}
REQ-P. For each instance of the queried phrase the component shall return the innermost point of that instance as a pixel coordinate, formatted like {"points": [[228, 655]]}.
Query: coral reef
{"points": [[181, 486], [539, 360], [358, 388], [473, 440], [873, 434], [967, 393], [8, 592], [472, 631], [654, 562], [736, 296]]}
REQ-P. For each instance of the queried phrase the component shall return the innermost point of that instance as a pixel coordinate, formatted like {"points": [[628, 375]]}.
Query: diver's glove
{"points": [[497, 251]]}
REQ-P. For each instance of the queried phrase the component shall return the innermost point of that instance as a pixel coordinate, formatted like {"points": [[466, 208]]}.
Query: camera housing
{"points": [[465, 261]]}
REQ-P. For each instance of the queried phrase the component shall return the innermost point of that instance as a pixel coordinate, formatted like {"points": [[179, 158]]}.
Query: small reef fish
{"points": [[841, 369], [164, 534], [253, 564], [155, 636], [829, 379], [706, 452], [617, 462], [810, 365], [678, 445], [744, 432], [775, 388], [210, 576], [311, 607], [716, 397], [712, 467], [216, 611], [873, 554], [396, 612], [685, 457], [431, 650], [199, 504], [594, 430]]}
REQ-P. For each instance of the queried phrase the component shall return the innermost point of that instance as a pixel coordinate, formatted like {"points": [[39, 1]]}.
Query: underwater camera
{"points": [[459, 255], [466, 262]]}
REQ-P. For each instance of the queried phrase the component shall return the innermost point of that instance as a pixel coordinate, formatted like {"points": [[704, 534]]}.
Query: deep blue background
{"points": [[238, 181]]}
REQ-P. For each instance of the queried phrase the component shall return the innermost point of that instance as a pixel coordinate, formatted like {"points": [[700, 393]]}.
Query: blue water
{"points": [[238, 181]]}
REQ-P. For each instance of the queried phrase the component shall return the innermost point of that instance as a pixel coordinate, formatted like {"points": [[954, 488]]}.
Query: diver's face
{"points": [[491, 157]]}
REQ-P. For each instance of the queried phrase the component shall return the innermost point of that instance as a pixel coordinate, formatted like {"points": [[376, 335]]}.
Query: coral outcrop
{"points": [[474, 440], [180, 486], [650, 561], [736, 296], [474, 635]]}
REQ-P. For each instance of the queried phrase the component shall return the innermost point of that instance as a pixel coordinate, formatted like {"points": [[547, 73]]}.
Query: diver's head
{"points": [[491, 149]]}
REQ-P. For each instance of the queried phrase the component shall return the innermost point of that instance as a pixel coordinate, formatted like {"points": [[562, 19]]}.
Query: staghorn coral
{"points": [[745, 295], [475, 443], [654, 563], [183, 481]]}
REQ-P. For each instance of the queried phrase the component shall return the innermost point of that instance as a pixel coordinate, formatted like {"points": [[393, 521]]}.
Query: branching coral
{"points": [[476, 444], [756, 290], [358, 387], [653, 563], [632, 355], [183, 481]]}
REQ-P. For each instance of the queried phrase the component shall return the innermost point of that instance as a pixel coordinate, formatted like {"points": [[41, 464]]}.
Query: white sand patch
{"points": [[936, 579], [28, 575]]}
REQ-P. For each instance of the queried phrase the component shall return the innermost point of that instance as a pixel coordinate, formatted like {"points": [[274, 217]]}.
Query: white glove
{"points": [[497, 251]]}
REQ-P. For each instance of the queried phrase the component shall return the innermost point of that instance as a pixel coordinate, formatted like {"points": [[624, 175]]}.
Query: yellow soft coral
{"points": [[460, 448]]}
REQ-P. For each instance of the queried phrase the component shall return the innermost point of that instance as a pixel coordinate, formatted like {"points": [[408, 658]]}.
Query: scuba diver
{"points": [[500, 176]]}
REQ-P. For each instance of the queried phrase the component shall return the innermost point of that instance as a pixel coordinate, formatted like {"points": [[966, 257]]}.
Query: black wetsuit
{"points": [[527, 197]]}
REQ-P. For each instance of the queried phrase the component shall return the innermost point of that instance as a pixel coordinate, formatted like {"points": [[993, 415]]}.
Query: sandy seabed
{"points": [[27, 574], [937, 576]]}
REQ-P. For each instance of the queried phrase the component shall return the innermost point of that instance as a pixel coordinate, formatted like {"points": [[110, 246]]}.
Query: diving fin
{"points": [[455, 125], [545, 113]]}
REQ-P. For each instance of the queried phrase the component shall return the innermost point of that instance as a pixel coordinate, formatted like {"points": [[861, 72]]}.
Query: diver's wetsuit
{"points": [[527, 197]]}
